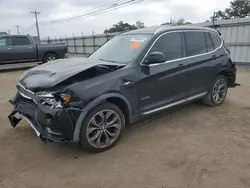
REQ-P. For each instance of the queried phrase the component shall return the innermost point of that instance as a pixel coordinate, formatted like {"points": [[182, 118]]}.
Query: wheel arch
{"points": [[115, 98], [230, 76]]}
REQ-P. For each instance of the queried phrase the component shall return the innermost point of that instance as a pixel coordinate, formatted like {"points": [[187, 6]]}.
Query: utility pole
{"points": [[37, 27], [9, 31], [214, 20], [17, 27]]}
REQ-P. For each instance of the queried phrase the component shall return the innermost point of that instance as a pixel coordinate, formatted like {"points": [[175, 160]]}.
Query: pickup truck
{"points": [[22, 48]]}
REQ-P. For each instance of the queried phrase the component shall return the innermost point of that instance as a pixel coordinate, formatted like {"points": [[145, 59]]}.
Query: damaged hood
{"points": [[50, 74]]}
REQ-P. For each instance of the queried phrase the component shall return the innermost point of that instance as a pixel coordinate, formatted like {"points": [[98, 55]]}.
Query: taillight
{"points": [[226, 48]]}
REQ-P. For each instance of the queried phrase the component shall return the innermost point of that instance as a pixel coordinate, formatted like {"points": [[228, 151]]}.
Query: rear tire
{"points": [[217, 92], [50, 57], [102, 128]]}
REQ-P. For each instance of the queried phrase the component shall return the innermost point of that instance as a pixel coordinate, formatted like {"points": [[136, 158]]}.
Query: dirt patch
{"points": [[196, 146]]}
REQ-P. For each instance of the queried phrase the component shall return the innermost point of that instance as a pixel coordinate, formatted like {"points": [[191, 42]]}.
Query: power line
{"points": [[76, 15], [97, 11], [37, 27], [28, 28], [17, 27]]}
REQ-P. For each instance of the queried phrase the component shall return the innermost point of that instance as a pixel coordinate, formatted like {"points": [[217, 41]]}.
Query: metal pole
{"points": [[83, 46], [17, 27], [67, 43], [107, 34], [9, 31], [214, 20], [93, 35], [37, 26], [74, 42]]}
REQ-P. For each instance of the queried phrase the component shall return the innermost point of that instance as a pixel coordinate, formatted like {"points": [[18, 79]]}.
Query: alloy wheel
{"points": [[51, 58], [103, 128], [219, 91]]}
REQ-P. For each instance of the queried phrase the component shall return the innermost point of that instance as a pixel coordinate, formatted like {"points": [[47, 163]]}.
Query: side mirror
{"points": [[154, 57]]}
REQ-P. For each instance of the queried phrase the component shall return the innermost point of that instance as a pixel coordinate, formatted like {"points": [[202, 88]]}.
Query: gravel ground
{"points": [[195, 146]]}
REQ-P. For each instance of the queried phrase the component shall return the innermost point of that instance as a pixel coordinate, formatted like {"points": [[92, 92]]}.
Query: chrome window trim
{"points": [[183, 58], [176, 103]]}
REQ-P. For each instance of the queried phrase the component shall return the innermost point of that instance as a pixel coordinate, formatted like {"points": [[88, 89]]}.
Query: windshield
{"points": [[122, 48]]}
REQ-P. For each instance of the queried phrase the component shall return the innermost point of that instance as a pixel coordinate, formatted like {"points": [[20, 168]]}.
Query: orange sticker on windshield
{"points": [[135, 45]]}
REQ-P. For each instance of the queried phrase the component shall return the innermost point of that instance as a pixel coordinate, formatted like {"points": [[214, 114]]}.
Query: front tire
{"points": [[102, 128], [217, 92]]}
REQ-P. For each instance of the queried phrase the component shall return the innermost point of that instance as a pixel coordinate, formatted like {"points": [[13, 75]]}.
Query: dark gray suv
{"points": [[134, 75]]}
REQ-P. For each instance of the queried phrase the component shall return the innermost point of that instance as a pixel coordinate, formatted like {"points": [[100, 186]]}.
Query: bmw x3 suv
{"points": [[134, 75]]}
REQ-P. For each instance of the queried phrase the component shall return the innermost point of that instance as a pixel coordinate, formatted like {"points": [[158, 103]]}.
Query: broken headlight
{"points": [[53, 99]]}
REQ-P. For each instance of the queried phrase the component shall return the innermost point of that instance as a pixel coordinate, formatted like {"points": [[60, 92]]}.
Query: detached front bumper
{"points": [[49, 124]]}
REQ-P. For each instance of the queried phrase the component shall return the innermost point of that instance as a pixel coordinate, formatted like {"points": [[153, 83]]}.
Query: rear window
{"points": [[216, 40], [17, 41], [5, 42], [210, 46], [196, 43]]}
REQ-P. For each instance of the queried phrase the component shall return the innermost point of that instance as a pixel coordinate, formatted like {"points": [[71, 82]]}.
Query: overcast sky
{"points": [[151, 12]]}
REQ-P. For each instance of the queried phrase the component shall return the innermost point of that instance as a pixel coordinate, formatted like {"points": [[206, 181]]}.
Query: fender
{"points": [[94, 103]]}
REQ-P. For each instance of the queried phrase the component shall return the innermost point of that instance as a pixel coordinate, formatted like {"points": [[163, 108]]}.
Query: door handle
{"points": [[214, 56], [180, 65], [30, 47], [10, 48], [127, 82]]}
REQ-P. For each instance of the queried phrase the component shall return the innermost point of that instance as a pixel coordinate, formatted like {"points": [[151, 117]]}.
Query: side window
{"points": [[5, 41], [216, 40], [17, 41], [210, 46], [196, 43], [170, 45]]}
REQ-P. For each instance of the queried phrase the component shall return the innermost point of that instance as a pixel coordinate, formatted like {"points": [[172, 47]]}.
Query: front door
{"points": [[163, 83]]}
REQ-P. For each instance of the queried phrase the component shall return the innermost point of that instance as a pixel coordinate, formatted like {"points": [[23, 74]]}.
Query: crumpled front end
{"points": [[51, 121]]}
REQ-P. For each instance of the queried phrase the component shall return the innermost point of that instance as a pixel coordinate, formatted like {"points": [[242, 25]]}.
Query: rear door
{"points": [[24, 50], [164, 83], [6, 50], [201, 62]]}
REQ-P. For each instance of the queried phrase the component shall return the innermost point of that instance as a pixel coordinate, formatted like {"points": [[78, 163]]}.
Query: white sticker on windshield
{"points": [[138, 39]]}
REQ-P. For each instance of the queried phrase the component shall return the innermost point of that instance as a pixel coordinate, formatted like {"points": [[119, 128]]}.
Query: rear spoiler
{"points": [[219, 32]]}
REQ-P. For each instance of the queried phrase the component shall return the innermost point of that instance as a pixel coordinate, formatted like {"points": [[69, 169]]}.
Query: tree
{"points": [[237, 9], [120, 27], [139, 24], [180, 21], [3, 33]]}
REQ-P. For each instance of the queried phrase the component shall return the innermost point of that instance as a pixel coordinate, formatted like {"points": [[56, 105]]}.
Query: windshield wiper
{"points": [[108, 60]]}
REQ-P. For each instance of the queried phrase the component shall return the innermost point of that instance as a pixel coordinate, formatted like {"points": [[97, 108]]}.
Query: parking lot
{"points": [[195, 146]]}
